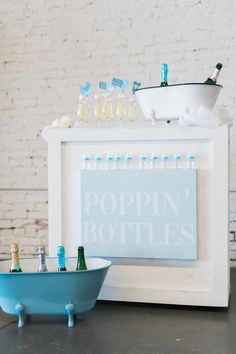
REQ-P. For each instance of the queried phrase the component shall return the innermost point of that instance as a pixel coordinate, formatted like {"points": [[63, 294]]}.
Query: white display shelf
{"points": [[204, 281]]}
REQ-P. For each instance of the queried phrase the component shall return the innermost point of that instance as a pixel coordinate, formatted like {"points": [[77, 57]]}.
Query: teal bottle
{"points": [[81, 263], [164, 75], [61, 259]]}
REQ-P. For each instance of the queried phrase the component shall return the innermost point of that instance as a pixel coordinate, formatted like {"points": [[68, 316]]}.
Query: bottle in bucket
{"points": [[213, 78], [15, 263], [164, 75], [61, 259], [81, 263], [42, 260]]}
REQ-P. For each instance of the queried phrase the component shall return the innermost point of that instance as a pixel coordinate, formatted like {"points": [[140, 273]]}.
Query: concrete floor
{"points": [[127, 328]]}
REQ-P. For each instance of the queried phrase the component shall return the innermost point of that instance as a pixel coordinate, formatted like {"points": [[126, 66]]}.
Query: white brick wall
{"points": [[48, 48]]}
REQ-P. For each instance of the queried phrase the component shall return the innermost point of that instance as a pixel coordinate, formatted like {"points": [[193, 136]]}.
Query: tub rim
{"points": [[56, 272], [173, 85]]}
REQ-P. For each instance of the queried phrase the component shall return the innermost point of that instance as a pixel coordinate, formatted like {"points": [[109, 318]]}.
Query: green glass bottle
{"points": [[15, 263], [81, 263], [213, 78], [164, 75]]}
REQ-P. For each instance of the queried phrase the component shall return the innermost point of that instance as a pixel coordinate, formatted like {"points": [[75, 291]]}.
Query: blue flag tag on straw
{"points": [[125, 84], [102, 85], [117, 82], [136, 85], [87, 88]]}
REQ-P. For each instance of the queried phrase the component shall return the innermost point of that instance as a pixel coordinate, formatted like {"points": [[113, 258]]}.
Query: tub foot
{"points": [[20, 312], [70, 312]]}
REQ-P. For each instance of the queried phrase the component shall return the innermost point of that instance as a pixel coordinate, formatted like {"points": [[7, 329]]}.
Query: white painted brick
{"points": [[50, 48]]}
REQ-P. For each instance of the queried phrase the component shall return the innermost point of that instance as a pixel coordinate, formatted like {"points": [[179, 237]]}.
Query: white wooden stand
{"points": [[204, 281]]}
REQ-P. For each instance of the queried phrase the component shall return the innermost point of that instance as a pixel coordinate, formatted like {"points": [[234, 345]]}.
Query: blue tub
{"points": [[52, 292]]}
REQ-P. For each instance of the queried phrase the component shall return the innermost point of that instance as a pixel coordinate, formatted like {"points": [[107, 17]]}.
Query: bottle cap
{"points": [[128, 157], [109, 158], [60, 250], [177, 157], [154, 157], [191, 157], [219, 66], [143, 157], [14, 247], [80, 248], [165, 157], [86, 157], [41, 249], [98, 158], [117, 157], [164, 67]]}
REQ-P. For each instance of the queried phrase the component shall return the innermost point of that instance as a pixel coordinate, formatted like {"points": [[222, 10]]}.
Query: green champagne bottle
{"points": [[164, 75], [81, 264], [15, 263], [213, 78]]}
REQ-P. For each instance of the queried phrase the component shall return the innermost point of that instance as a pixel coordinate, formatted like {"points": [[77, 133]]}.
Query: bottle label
{"points": [[215, 75]]}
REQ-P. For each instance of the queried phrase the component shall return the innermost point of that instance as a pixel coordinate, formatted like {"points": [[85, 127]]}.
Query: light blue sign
{"points": [[139, 213]]}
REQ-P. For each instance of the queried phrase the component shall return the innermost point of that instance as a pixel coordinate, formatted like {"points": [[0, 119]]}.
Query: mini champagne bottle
{"points": [[164, 161], [213, 78], [42, 260], [81, 263], [15, 263], [164, 75], [61, 259], [177, 161], [154, 161], [143, 162], [191, 161]]}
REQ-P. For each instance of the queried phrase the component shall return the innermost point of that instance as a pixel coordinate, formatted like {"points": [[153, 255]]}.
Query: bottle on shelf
{"points": [[164, 161], [15, 263], [42, 259], [86, 162], [143, 162], [213, 78], [109, 162], [191, 161], [177, 161], [154, 161], [81, 263], [117, 162], [164, 75], [98, 162], [128, 162], [61, 259]]}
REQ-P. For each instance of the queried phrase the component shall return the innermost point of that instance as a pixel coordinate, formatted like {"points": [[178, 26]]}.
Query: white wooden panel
{"points": [[201, 282]]}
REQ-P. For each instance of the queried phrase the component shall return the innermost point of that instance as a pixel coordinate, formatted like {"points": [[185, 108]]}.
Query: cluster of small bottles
{"points": [[42, 267], [142, 161], [113, 102]]}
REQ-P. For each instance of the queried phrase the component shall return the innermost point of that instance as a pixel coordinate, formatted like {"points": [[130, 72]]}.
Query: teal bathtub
{"points": [[52, 292]]}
